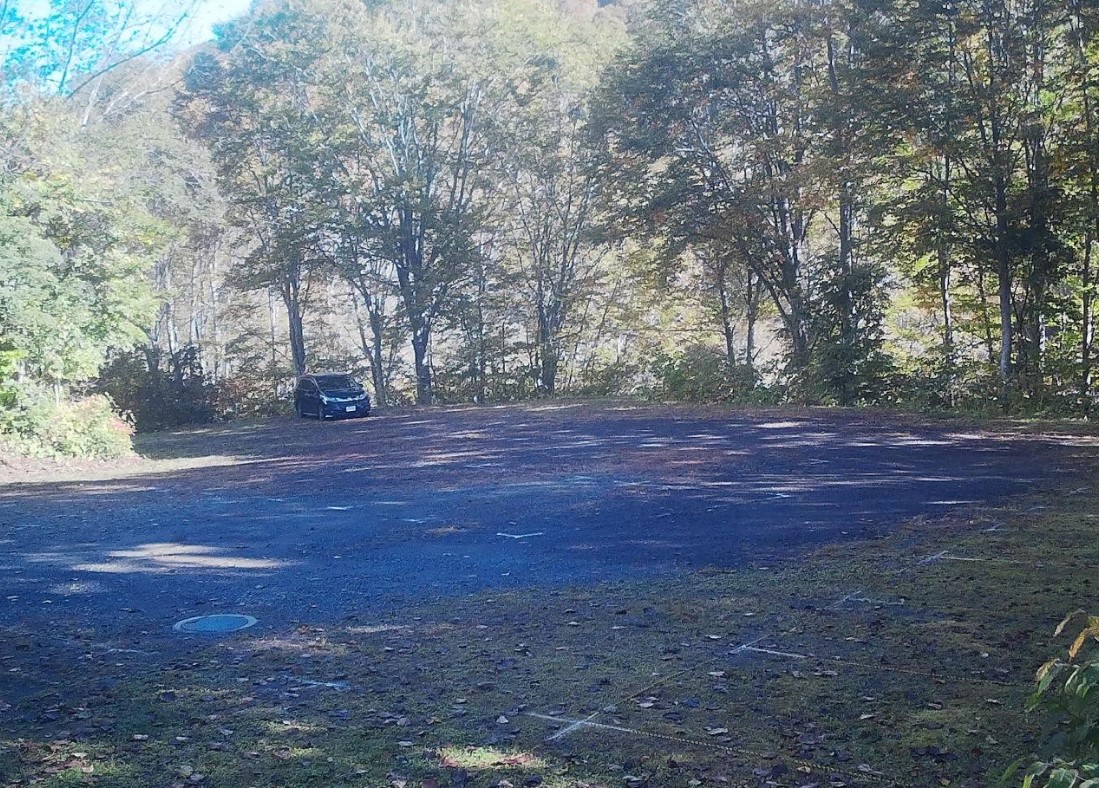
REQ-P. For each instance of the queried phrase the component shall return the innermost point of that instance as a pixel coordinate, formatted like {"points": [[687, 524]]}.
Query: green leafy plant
{"points": [[38, 424], [702, 374], [1066, 691]]}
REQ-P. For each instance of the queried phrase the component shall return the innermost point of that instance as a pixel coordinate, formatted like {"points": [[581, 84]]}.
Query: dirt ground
{"points": [[566, 594]]}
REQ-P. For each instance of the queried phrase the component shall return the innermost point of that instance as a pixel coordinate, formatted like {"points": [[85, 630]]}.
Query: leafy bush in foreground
{"points": [[1066, 692]]}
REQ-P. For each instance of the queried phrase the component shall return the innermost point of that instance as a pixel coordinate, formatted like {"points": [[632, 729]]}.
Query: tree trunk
{"points": [[547, 372], [846, 228], [946, 300], [1091, 234], [477, 363], [754, 292], [726, 320], [377, 368], [1040, 198], [421, 341], [546, 359], [1088, 327], [419, 301], [986, 321], [372, 346], [295, 313], [272, 340], [999, 162], [847, 306], [1003, 274]]}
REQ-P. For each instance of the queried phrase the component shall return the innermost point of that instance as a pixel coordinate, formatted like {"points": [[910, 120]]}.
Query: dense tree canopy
{"points": [[848, 202]]}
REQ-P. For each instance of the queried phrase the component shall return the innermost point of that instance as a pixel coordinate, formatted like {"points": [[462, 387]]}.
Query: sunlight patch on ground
{"points": [[75, 588], [163, 556], [375, 629], [487, 758]]}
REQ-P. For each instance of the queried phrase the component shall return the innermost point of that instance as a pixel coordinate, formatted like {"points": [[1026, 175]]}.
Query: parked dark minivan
{"points": [[330, 396]]}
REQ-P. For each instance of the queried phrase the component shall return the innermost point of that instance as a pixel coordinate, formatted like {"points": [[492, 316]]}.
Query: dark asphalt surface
{"points": [[294, 521]]}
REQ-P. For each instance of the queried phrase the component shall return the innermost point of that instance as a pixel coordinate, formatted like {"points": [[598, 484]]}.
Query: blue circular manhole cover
{"points": [[222, 622]]}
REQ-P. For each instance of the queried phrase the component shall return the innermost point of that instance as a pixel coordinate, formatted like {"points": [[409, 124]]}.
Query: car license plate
{"points": [[350, 409]]}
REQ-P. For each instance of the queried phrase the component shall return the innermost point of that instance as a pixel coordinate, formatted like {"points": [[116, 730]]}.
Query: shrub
{"points": [[1067, 695], [702, 374], [247, 395], [35, 424], [612, 379], [156, 400]]}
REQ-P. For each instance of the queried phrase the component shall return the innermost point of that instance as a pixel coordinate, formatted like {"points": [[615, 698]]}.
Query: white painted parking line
{"points": [[932, 558], [574, 726], [971, 559], [788, 654], [870, 601], [944, 555], [864, 773]]}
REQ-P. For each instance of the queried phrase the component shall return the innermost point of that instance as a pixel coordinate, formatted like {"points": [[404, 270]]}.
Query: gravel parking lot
{"points": [[295, 521]]}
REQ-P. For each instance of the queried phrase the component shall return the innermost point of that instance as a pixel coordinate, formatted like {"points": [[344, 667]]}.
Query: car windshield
{"points": [[329, 382]]}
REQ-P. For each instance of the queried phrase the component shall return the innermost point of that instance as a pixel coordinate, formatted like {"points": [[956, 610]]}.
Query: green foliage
{"points": [[701, 373], [9, 364], [848, 363], [71, 286], [155, 399], [612, 379], [457, 384], [249, 394], [45, 315], [1067, 695], [38, 424], [447, 162]]}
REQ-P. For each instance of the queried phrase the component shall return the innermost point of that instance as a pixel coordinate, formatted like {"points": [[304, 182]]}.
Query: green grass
{"points": [[922, 685]]}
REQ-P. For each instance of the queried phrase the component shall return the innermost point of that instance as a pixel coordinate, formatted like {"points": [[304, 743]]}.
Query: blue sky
{"points": [[208, 13], [202, 14], [211, 12]]}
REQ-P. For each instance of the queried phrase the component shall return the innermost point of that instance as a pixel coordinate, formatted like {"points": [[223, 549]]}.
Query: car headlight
{"points": [[324, 400]]}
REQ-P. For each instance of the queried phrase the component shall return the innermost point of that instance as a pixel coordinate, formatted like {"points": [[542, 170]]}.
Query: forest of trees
{"points": [[841, 202]]}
